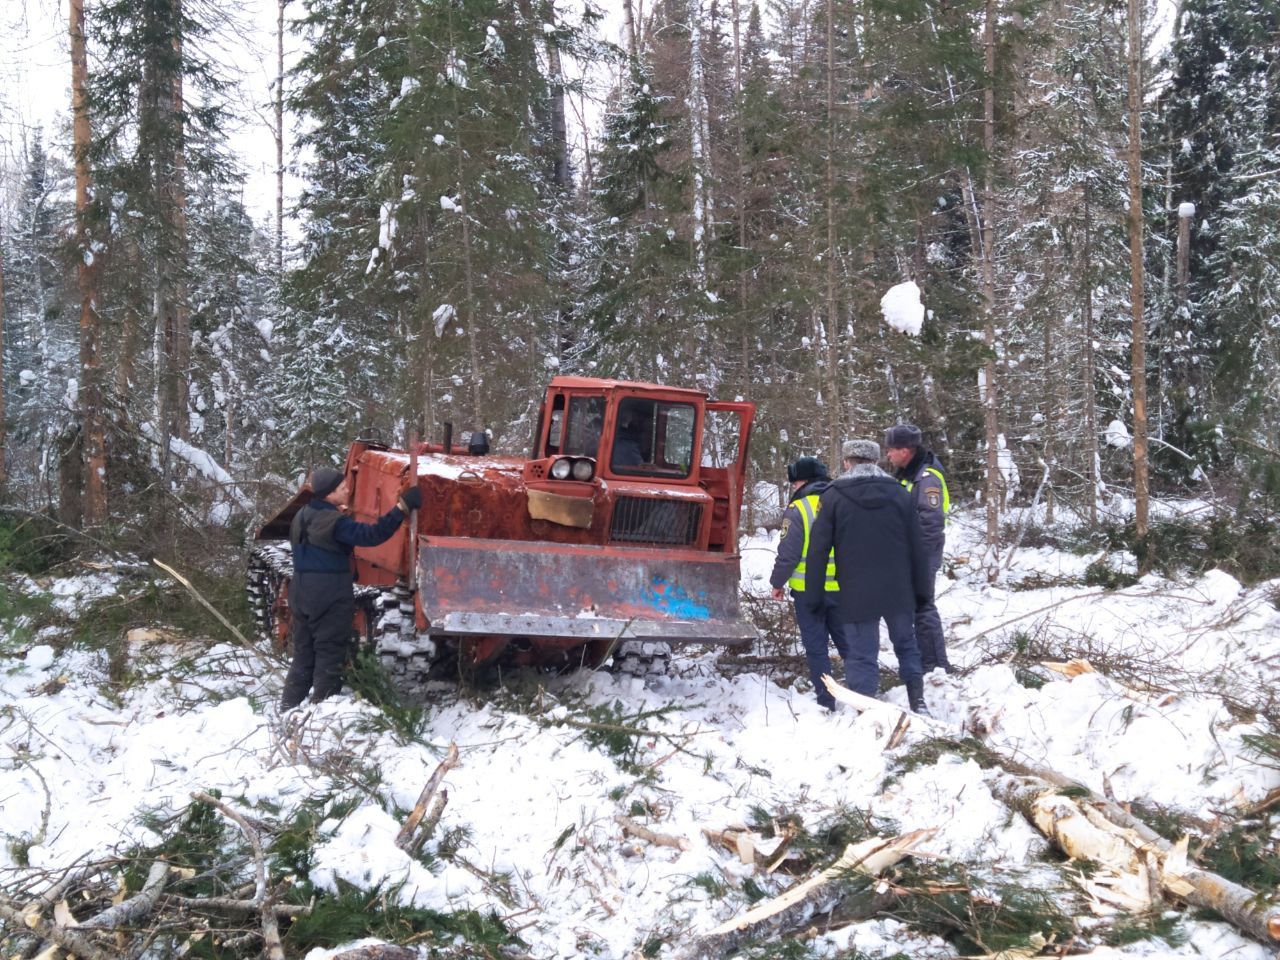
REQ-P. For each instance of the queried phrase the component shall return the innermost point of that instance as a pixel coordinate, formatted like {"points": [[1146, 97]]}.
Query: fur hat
{"points": [[860, 450], [903, 435], [325, 480], [807, 468]]}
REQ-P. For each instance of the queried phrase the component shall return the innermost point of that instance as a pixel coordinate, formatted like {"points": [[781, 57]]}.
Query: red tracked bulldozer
{"points": [[617, 534]]}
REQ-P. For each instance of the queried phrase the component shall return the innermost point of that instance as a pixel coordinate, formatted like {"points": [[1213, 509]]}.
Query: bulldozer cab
{"points": [[631, 431]]}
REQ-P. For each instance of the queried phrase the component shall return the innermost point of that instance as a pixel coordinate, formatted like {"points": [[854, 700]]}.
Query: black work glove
{"points": [[410, 500]]}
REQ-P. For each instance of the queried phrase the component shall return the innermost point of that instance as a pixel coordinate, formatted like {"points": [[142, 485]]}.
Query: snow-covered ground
{"points": [[535, 796]]}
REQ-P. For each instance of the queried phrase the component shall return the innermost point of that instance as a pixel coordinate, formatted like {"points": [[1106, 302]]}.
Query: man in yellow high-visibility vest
{"points": [[818, 630], [917, 469]]}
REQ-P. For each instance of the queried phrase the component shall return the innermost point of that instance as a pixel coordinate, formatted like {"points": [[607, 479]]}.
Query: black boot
{"points": [[915, 697]]}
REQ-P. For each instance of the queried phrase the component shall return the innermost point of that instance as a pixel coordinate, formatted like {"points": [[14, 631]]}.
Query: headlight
{"points": [[582, 469], [561, 468]]}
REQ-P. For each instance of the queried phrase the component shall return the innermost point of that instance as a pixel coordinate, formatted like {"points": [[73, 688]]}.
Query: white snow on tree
{"points": [[442, 316], [1117, 435], [902, 308]]}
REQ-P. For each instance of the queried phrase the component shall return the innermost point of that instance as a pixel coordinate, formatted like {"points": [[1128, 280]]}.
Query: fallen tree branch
{"points": [[405, 836], [69, 940], [232, 905], [870, 858], [190, 588], [273, 948], [634, 829], [130, 911]]}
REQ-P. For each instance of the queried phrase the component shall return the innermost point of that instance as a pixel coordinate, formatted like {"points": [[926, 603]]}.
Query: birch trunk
{"points": [[94, 499], [698, 145]]}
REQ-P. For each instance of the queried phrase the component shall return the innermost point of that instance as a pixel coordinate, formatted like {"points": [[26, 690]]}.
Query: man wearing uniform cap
{"points": [[321, 599], [868, 521], [818, 630], [917, 469]]}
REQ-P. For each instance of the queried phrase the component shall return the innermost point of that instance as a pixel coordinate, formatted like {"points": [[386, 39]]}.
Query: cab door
{"points": [[726, 436]]}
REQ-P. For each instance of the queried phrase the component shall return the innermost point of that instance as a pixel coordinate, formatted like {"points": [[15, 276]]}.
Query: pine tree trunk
{"points": [[181, 359], [740, 203], [1094, 472], [559, 129], [835, 407], [3, 433], [989, 395], [698, 145], [1141, 490], [279, 134], [93, 506]]}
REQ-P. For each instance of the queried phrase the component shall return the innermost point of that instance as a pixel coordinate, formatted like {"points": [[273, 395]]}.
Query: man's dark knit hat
{"points": [[807, 468], [903, 435], [325, 480]]}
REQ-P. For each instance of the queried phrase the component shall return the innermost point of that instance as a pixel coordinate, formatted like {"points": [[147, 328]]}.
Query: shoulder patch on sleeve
{"points": [[786, 527], [933, 497]]}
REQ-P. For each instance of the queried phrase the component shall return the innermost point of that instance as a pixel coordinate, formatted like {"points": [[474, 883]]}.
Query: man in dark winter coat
{"points": [[917, 469], [808, 478], [321, 599], [881, 568]]}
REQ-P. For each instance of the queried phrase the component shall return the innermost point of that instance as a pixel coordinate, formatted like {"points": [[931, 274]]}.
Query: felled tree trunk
{"points": [[792, 909], [1140, 864]]}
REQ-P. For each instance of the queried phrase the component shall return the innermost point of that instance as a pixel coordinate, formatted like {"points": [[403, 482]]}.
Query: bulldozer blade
{"points": [[513, 588]]}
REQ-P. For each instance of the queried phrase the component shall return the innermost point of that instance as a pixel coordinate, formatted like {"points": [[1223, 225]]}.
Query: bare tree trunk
{"points": [[835, 417], [279, 134], [3, 433], [1094, 471], [989, 396], [181, 359], [469, 318], [94, 501], [740, 202], [1141, 490], [559, 130], [698, 145]]}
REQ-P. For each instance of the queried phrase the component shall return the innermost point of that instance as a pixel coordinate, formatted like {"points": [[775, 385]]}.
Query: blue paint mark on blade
{"points": [[673, 600]]}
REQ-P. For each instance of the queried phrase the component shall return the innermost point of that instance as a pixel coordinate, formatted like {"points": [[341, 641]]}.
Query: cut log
{"points": [[1137, 859], [631, 828], [870, 857]]}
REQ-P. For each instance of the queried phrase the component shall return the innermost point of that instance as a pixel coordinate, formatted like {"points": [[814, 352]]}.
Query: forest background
{"points": [[1091, 219]]}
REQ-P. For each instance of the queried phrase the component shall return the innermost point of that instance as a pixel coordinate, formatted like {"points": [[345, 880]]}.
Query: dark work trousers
{"points": [[817, 632], [323, 608], [933, 646], [862, 666]]}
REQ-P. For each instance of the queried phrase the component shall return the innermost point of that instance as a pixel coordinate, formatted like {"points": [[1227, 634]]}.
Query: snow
{"points": [[526, 781], [902, 308], [1186, 210], [442, 316], [1117, 435]]}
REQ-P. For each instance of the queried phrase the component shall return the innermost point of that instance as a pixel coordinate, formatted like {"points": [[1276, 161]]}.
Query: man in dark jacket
{"points": [[917, 469], [808, 478], [321, 599], [881, 568]]}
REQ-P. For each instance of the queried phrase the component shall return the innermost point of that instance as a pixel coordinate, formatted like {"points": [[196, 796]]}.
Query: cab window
{"points": [[653, 437], [586, 420]]}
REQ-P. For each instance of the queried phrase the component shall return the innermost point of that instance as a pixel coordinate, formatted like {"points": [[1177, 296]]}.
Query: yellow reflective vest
{"points": [[808, 507], [946, 494]]}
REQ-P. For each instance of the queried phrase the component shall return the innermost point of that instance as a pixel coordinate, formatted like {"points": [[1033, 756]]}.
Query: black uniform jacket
{"points": [[880, 560]]}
